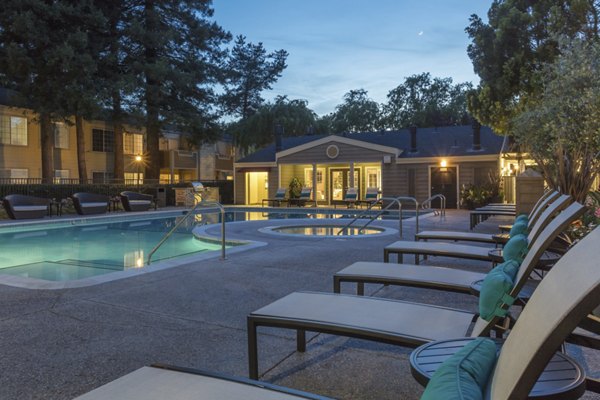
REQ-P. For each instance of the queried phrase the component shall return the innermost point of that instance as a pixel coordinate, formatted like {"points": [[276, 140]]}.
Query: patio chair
{"points": [[305, 197], [90, 203], [454, 250], [457, 236], [159, 382], [350, 199], [19, 206], [560, 302], [277, 200], [451, 279], [371, 198], [566, 295], [133, 201]]}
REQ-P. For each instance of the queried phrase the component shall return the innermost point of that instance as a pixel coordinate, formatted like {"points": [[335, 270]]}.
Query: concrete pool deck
{"points": [[58, 344]]}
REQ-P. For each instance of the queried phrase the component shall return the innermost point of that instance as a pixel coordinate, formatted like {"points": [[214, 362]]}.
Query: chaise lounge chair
{"points": [[90, 203], [565, 296], [19, 206], [449, 279], [133, 201], [277, 200], [454, 250], [305, 197], [371, 198], [350, 199], [527, 365], [160, 382], [535, 213]]}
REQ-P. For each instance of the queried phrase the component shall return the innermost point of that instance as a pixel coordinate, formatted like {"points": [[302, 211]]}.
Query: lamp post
{"points": [[138, 161]]}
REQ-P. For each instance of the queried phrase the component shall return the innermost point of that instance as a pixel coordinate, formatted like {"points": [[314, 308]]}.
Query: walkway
{"points": [[60, 344]]}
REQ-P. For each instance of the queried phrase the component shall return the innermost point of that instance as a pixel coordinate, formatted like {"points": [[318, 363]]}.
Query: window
{"points": [[166, 178], [102, 177], [320, 188], [61, 135], [103, 141], [373, 177], [14, 173], [60, 174], [133, 178], [133, 143], [13, 130]]}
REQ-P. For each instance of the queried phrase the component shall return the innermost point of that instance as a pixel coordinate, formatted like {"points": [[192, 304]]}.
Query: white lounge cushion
{"points": [[30, 208], [91, 204]]}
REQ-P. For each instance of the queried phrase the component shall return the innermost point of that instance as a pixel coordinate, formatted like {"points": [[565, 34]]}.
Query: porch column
{"points": [[314, 180], [351, 175]]}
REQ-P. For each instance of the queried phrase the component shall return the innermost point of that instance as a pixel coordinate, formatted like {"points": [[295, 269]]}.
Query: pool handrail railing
{"points": [[185, 217]]}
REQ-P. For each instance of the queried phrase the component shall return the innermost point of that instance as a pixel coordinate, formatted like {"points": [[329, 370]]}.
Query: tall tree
{"points": [[561, 126], [294, 117], [422, 101], [358, 113], [519, 37], [44, 55], [176, 54], [249, 71]]}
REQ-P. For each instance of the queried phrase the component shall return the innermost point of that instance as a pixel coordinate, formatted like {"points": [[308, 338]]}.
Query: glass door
{"points": [[340, 182]]}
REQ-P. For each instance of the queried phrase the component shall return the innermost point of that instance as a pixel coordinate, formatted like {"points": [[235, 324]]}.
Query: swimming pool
{"points": [[61, 252], [77, 250]]}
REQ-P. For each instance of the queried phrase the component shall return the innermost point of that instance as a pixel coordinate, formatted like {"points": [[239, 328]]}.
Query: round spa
{"points": [[323, 230]]}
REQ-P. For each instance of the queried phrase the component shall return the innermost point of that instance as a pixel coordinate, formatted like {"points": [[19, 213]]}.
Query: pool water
{"points": [[82, 251]]}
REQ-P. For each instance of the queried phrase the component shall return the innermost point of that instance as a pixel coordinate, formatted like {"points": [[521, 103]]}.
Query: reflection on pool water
{"points": [[327, 230], [81, 251]]}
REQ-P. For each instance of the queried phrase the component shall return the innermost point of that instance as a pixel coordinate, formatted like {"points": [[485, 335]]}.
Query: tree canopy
{"points": [[357, 113], [561, 126], [249, 70], [519, 38], [422, 101], [293, 116]]}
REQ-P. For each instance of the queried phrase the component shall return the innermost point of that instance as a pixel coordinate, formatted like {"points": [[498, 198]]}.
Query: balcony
{"points": [[181, 159]]}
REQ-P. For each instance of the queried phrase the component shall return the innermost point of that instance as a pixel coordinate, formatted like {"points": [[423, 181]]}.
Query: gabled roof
{"points": [[448, 141], [338, 139]]}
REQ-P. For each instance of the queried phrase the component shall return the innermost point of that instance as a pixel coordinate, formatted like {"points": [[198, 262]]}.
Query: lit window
{"points": [[60, 175], [133, 178], [133, 143], [373, 177], [13, 130]]}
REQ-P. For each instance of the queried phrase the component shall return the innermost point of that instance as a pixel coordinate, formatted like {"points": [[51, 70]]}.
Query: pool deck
{"points": [[58, 344]]}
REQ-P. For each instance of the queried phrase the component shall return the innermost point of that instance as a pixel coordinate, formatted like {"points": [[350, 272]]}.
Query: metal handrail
{"points": [[364, 212], [185, 217], [442, 203], [394, 200]]}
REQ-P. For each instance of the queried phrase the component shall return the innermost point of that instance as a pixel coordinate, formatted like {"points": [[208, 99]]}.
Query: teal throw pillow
{"points": [[515, 248], [520, 227], [495, 290], [522, 218], [463, 376]]}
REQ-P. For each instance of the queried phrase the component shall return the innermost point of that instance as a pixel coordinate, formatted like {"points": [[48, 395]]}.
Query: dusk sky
{"points": [[338, 45]]}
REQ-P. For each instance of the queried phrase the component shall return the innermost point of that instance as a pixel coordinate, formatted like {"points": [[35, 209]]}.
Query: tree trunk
{"points": [[152, 98], [47, 141], [119, 168], [81, 166]]}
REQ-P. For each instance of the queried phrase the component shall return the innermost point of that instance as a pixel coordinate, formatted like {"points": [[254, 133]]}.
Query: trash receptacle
{"points": [[161, 197]]}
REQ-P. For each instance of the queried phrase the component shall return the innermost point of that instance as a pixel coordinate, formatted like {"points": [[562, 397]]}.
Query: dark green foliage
{"points": [[506, 52], [47, 54], [295, 188], [294, 117], [358, 113], [424, 102], [249, 71], [175, 53]]}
